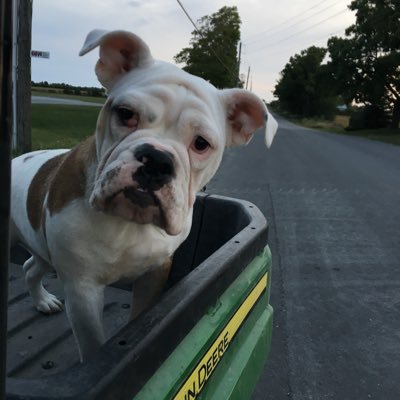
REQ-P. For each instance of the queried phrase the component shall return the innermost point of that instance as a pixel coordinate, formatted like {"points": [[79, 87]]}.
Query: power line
{"points": [[275, 43], [294, 24], [189, 17], [324, 37], [284, 22], [289, 19]]}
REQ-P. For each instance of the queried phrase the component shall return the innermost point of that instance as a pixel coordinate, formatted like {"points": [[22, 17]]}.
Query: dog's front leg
{"points": [[84, 305], [147, 288]]}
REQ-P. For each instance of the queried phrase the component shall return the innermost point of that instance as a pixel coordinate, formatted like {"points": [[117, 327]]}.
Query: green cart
{"points": [[207, 338]]}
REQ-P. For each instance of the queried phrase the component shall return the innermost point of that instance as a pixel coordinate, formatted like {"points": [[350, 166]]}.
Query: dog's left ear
{"points": [[245, 114], [120, 52]]}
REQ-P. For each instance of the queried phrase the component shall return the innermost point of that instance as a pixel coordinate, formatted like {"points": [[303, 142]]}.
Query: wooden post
{"points": [[23, 127], [5, 174]]}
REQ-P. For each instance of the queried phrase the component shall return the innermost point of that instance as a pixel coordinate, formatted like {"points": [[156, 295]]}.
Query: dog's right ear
{"points": [[120, 52]]}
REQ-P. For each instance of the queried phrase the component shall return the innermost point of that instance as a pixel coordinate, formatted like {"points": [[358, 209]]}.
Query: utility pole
{"points": [[247, 79], [22, 130], [238, 67]]}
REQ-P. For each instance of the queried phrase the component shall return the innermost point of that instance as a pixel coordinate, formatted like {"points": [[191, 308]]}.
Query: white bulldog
{"points": [[119, 204]]}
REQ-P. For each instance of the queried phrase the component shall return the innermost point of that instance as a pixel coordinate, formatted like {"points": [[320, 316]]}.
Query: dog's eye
{"points": [[128, 117], [200, 145]]}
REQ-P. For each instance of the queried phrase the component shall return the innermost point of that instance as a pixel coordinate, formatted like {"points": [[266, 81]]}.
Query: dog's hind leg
{"points": [[35, 268]]}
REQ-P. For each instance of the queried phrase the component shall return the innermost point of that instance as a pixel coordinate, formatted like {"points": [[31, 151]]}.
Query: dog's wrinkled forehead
{"points": [[165, 92]]}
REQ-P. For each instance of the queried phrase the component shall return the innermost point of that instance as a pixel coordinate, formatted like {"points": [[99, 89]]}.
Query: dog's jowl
{"points": [[120, 203]]}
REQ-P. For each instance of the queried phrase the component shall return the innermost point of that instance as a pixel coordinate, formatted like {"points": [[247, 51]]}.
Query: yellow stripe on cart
{"points": [[195, 382]]}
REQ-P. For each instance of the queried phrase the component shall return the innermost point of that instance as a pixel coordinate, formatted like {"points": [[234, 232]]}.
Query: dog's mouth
{"points": [[132, 196], [141, 205], [141, 197]]}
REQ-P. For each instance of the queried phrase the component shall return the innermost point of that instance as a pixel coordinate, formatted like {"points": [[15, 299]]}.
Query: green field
{"points": [[61, 126]]}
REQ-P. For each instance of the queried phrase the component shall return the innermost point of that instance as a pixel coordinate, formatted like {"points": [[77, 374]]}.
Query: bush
{"points": [[368, 117]]}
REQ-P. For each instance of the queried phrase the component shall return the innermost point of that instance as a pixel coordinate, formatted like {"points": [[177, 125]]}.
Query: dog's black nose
{"points": [[157, 169]]}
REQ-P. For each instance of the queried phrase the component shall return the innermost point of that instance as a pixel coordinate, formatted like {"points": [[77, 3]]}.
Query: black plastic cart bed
{"points": [[214, 318]]}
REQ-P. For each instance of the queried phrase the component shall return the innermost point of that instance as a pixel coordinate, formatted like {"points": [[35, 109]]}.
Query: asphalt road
{"points": [[333, 206], [57, 100]]}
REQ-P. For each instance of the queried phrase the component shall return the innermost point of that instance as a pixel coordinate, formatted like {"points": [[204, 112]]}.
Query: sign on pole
{"points": [[40, 54]]}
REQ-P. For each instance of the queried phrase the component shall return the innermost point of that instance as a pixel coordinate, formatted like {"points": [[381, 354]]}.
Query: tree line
{"points": [[65, 88], [363, 69]]}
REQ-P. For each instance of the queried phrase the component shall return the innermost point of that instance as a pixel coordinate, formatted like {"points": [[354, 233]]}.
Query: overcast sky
{"points": [[271, 32]]}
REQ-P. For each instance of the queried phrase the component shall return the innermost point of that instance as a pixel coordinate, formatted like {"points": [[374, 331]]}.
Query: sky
{"points": [[271, 32]]}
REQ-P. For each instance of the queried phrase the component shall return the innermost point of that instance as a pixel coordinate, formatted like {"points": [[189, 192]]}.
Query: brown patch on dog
{"points": [[62, 178], [69, 183], [38, 189]]}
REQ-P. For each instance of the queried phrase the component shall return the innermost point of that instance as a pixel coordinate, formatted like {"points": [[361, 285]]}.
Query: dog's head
{"points": [[162, 132]]}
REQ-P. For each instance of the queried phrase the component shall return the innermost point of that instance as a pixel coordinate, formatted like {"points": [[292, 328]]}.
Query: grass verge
{"points": [[61, 126], [386, 135], [338, 125]]}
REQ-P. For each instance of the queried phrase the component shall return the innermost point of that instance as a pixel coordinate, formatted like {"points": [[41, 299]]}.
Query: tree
{"points": [[212, 54], [343, 67], [304, 87], [366, 65]]}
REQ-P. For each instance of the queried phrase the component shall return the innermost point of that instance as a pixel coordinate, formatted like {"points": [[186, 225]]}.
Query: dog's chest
{"points": [[108, 248], [142, 253]]}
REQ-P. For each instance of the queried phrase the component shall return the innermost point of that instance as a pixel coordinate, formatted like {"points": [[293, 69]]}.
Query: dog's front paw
{"points": [[49, 304]]}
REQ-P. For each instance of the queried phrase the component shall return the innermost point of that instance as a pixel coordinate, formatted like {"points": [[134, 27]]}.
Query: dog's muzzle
{"points": [[142, 186]]}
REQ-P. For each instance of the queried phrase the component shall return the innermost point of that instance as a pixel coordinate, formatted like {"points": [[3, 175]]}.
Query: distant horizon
{"points": [[68, 84]]}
